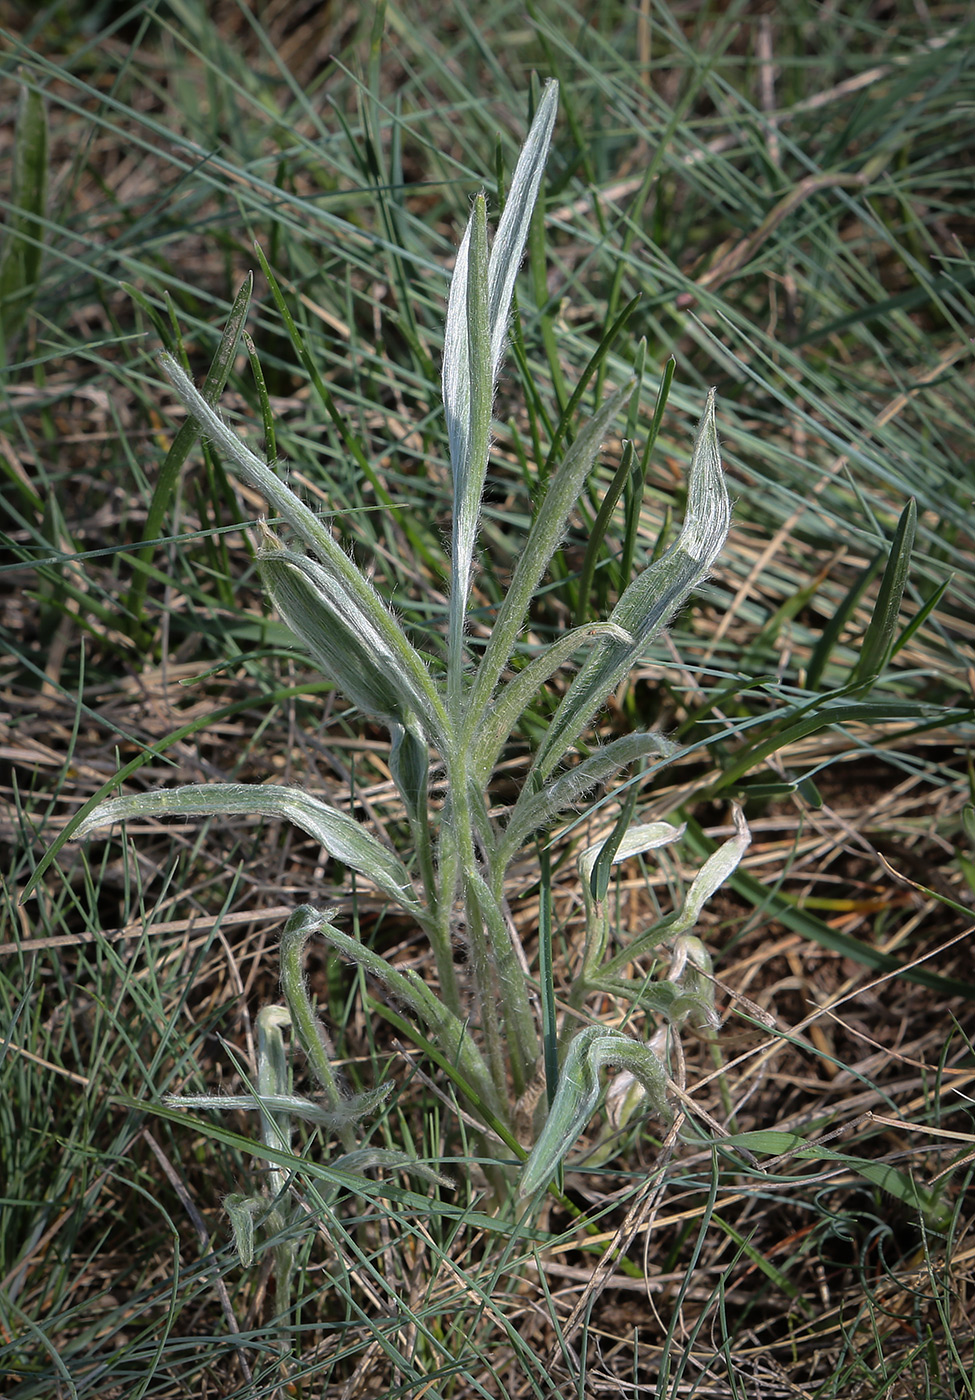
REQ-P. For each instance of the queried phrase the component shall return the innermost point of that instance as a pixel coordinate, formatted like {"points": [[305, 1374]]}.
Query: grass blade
{"points": [[878, 640]]}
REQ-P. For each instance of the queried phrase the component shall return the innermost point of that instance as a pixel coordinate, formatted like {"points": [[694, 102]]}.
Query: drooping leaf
{"points": [[341, 836], [314, 533], [579, 1092]]}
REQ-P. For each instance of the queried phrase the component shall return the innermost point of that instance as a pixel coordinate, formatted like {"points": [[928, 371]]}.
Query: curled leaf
{"points": [[578, 1095]]}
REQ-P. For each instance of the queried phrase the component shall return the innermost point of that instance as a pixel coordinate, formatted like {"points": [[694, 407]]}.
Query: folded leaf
{"points": [[478, 306], [317, 537], [342, 639]]}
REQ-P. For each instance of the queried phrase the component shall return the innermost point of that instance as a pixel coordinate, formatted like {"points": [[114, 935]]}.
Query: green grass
{"points": [[797, 235]]}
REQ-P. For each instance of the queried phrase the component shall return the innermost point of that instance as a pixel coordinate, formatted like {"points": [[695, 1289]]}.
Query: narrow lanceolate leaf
{"points": [[653, 597], [500, 718], [543, 539], [341, 638], [478, 307], [635, 841], [718, 868], [314, 533], [467, 367], [595, 866], [579, 1092], [349, 1111], [344, 839], [878, 639], [509, 242], [409, 989], [535, 810]]}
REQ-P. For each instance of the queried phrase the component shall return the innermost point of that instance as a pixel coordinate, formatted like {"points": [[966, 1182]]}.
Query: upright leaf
{"points": [[878, 640], [478, 306], [653, 597]]}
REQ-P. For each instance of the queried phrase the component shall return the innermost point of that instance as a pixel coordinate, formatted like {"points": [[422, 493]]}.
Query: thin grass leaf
{"points": [[637, 484], [833, 629], [20, 259], [878, 640]]}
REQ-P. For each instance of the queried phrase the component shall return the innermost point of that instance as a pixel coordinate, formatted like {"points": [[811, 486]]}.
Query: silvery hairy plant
{"points": [[482, 1019]]}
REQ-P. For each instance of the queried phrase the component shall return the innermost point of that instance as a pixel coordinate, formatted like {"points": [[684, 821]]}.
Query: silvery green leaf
{"points": [[273, 1079], [718, 867], [349, 1110], [544, 537], [478, 306], [469, 465], [690, 972], [501, 716], [579, 1092], [515, 221], [343, 640], [456, 371], [636, 841], [409, 763], [653, 597], [365, 1157], [505, 258], [242, 1211], [408, 988], [532, 811], [624, 1096], [341, 836], [316, 536]]}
